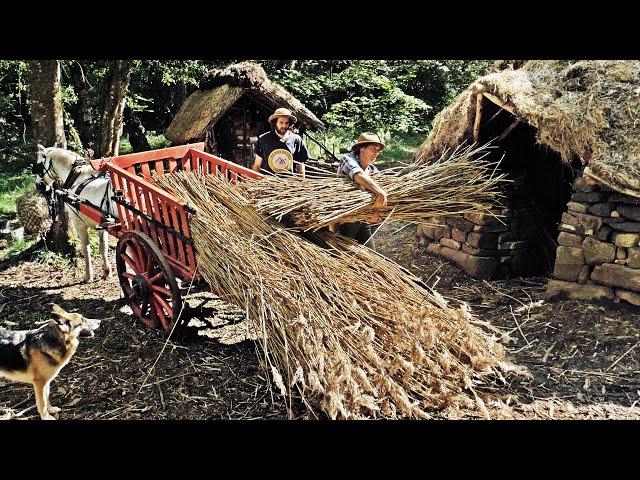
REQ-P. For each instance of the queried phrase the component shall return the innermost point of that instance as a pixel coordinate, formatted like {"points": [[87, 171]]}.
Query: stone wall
{"points": [[496, 245], [598, 255]]}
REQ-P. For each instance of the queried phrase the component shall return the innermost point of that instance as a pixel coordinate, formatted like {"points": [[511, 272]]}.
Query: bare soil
{"points": [[583, 358]]}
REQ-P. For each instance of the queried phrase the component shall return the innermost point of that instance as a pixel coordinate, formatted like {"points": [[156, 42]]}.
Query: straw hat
{"points": [[367, 137], [283, 112]]}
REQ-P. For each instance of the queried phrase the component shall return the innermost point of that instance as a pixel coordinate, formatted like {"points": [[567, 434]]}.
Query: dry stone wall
{"points": [[484, 245], [598, 255]]}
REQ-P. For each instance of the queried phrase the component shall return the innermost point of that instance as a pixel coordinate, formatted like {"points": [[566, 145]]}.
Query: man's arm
{"points": [[257, 163], [371, 185], [300, 169]]}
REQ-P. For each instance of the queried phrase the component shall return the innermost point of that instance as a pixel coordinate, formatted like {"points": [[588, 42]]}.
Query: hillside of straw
{"points": [[590, 109], [345, 328]]}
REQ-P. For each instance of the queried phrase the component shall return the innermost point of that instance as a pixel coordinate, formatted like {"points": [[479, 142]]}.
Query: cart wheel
{"points": [[147, 281]]}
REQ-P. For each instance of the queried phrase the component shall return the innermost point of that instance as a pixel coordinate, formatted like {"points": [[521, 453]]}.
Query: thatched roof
{"points": [[219, 89], [586, 108]]}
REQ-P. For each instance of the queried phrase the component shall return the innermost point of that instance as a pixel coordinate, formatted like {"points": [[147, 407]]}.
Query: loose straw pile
{"points": [[458, 183], [344, 326]]}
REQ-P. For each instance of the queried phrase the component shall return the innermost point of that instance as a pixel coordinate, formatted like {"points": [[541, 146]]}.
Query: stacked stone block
{"points": [[598, 255], [487, 245]]}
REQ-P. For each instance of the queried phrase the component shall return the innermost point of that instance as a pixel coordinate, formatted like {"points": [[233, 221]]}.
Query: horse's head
{"points": [[53, 164], [42, 167]]}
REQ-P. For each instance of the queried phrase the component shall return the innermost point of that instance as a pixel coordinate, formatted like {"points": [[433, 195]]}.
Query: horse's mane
{"points": [[68, 157]]}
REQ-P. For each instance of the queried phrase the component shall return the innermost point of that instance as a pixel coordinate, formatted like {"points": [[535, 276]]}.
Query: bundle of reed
{"points": [[459, 182], [344, 326]]}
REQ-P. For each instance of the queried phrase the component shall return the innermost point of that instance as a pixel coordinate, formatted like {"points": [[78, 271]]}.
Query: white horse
{"points": [[57, 165]]}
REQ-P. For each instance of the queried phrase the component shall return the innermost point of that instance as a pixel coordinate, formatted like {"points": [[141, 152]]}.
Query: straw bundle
{"points": [[344, 326], [458, 183], [33, 213]]}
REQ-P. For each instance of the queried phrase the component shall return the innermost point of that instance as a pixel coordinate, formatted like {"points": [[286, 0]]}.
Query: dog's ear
{"points": [[55, 309], [60, 317]]}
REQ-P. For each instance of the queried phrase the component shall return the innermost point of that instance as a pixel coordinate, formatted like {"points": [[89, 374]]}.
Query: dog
{"points": [[37, 356]]}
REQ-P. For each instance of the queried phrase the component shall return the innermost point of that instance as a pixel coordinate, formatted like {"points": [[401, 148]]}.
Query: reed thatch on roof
{"points": [[219, 89], [588, 109]]}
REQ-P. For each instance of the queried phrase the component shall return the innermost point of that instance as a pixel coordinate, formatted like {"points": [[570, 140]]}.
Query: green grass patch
{"points": [[47, 257], [125, 146], [16, 248], [399, 150], [12, 185], [157, 141]]}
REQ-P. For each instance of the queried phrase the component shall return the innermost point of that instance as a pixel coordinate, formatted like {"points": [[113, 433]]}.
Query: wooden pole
{"points": [[476, 124], [499, 102], [508, 130]]}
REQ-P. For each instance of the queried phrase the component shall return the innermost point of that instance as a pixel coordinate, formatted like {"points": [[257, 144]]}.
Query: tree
{"points": [[48, 129], [111, 123], [136, 131], [46, 104]]}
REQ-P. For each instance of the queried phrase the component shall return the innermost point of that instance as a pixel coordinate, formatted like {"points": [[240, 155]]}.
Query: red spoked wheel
{"points": [[147, 281]]}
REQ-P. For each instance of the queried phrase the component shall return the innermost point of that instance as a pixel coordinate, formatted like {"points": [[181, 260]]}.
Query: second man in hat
{"points": [[280, 150]]}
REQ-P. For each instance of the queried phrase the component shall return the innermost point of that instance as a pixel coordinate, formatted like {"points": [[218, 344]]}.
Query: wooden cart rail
{"points": [[144, 207]]}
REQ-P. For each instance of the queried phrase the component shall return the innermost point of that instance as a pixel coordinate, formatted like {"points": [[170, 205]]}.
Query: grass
{"points": [[12, 185], [16, 248], [400, 149], [47, 257]]}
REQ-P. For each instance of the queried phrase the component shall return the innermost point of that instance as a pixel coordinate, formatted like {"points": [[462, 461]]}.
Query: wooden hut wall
{"points": [[234, 133]]}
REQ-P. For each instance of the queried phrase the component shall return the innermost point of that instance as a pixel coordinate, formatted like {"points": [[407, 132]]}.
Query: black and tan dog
{"points": [[37, 356]]}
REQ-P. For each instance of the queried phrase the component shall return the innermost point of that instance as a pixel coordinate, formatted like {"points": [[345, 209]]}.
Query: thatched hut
{"points": [[570, 135], [230, 110]]}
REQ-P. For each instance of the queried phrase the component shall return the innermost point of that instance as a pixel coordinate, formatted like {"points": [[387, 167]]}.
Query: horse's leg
{"points": [[82, 229], [104, 249]]}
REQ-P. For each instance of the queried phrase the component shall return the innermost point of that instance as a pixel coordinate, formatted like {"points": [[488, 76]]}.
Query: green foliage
{"points": [[158, 88], [155, 140], [16, 136], [398, 96], [399, 149], [125, 146]]}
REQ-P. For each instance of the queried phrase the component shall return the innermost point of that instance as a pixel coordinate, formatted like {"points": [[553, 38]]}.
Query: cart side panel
{"points": [[156, 213], [153, 211]]}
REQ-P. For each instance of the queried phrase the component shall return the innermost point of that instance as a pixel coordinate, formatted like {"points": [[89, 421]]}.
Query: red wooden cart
{"points": [[154, 238]]}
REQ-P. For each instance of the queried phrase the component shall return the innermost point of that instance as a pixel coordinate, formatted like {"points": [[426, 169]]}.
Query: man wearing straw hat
{"points": [[280, 150], [358, 165]]}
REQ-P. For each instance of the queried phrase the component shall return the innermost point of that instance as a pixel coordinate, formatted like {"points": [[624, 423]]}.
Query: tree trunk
{"points": [[46, 105], [111, 124], [48, 129], [75, 142], [136, 132], [83, 115]]}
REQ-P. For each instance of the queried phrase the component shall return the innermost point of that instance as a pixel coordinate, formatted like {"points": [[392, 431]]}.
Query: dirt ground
{"points": [[582, 358]]}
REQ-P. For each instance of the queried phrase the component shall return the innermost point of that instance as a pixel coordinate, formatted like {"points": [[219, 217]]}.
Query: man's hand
{"points": [[375, 218], [381, 200]]}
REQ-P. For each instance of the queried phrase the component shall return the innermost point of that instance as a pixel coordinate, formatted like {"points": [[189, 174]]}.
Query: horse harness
{"points": [[55, 200]]}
